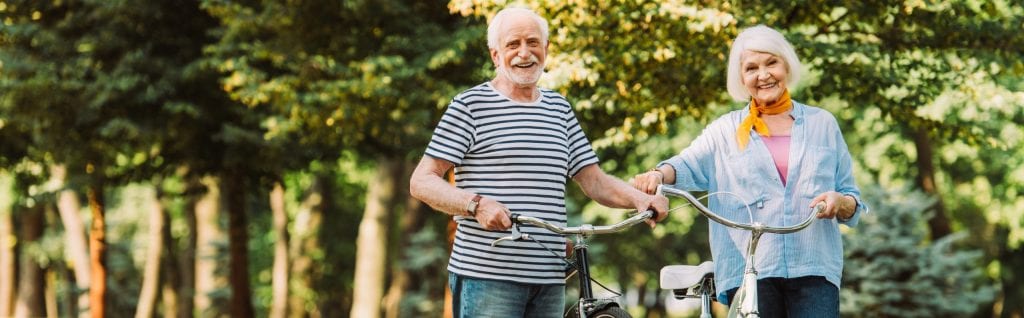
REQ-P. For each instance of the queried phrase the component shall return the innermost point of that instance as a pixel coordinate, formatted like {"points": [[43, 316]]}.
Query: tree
{"points": [[891, 271], [369, 72], [92, 81], [6, 245]]}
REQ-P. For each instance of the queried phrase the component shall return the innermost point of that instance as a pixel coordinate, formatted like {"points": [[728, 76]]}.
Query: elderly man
{"points": [[513, 146]]}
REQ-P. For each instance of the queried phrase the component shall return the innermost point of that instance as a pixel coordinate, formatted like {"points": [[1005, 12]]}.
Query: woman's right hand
{"points": [[648, 182]]}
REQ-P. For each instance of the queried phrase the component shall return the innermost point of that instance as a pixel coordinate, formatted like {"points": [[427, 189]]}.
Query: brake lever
{"points": [[516, 235]]}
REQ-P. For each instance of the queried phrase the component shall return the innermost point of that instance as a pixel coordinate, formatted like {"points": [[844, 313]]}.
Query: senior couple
{"points": [[513, 146]]}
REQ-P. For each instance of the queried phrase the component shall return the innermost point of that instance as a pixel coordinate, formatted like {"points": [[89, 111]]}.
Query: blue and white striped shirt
{"points": [[819, 161], [520, 154]]}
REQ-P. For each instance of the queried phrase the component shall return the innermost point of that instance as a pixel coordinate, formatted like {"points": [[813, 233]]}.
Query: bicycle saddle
{"points": [[685, 276]]}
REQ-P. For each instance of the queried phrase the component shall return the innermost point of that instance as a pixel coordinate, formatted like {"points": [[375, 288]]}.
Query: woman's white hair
{"points": [[760, 38], [499, 18]]}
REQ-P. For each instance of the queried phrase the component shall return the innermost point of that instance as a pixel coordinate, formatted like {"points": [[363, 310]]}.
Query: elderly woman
{"points": [[781, 157]]}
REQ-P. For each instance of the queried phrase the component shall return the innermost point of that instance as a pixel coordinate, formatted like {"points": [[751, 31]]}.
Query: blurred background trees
{"points": [[251, 158]]}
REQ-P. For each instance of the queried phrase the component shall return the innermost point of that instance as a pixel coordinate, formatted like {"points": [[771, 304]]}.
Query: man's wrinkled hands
{"points": [[493, 215], [658, 203]]}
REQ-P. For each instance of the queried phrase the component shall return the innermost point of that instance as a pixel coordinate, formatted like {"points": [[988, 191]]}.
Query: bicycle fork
{"points": [[748, 305], [586, 303]]}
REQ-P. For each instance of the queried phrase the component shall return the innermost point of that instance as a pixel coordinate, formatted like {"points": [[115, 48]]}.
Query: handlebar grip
{"points": [[818, 207], [650, 214]]}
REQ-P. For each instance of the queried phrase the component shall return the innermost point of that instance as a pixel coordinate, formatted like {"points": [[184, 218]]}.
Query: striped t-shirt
{"points": [[520, 154]]}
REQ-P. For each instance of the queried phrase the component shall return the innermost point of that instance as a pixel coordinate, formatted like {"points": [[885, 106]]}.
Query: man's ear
{"points": [[494, 57]]}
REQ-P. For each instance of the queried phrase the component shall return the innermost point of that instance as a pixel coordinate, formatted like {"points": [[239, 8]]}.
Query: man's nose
{"points": [[523, 52]]}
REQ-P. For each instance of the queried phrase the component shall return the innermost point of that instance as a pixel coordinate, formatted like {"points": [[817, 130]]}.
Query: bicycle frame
{"points": [[587, 304], [745, 303]]}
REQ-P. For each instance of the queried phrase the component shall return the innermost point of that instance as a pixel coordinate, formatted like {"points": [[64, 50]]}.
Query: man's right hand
{"points": [[493, 215]]}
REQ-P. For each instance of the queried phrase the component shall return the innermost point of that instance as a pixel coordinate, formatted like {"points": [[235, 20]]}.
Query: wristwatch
{"points": [[471, 207]]}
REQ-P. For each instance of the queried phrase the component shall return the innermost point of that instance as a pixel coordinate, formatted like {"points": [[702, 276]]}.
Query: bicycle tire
{"points": [[612, 312]]}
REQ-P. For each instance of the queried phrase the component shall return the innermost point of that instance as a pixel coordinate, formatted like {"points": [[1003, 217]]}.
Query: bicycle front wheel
{"points": [[611, 312]]}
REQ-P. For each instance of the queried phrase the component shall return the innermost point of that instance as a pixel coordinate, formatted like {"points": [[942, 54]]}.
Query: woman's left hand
{"points": [[834, 205]]}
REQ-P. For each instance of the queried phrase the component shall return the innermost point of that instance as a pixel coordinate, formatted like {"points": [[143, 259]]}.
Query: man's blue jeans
{"points": [[808, 296], [472, 297]]}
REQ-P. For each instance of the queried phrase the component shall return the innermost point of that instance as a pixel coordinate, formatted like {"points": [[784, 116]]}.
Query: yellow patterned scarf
{"points": [[754, 119]]}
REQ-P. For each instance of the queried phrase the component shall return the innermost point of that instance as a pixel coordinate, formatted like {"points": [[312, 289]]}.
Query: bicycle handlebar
{"points": [[756, 226], [585, 229]]}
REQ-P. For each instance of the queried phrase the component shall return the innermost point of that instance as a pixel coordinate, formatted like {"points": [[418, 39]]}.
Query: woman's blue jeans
{"points": [[808, 296], [472, 297]]}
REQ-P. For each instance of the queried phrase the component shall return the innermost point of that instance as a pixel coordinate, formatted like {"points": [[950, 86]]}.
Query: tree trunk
{"points": [[50, 291], [279, 282], [97, 252], [452, 227], [371, 242], [238, 243], [305, 244], [1012, 281], [172, 282], [410, 223], [210, 300], [151, 272], [6, 246], [939, 222], [30, 299], [76, 251], [185, 273]]}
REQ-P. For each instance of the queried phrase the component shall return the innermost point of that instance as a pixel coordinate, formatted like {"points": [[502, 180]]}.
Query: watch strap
{"points": [[471, 208]]}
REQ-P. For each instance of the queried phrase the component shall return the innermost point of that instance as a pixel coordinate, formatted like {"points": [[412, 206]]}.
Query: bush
{"points": [[892, 271]]}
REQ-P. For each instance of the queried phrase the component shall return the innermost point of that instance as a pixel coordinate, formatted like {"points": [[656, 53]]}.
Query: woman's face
{"points": [[764, 75]]}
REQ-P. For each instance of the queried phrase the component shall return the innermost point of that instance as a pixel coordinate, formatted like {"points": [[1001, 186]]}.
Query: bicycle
{"points": [[698, 281], [587, 306]]}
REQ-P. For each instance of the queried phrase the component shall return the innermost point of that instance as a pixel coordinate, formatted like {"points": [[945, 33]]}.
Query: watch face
{"points": [[471, 208]]}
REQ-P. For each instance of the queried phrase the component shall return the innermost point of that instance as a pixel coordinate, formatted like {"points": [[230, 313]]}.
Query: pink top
{"points": [[778, 146]]}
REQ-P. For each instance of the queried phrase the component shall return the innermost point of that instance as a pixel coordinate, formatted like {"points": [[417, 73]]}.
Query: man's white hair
{"points": [[763, 39], [499, 18]]}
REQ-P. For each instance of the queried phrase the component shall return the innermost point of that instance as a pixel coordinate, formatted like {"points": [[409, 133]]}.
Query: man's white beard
{"points": [[523, 79]]}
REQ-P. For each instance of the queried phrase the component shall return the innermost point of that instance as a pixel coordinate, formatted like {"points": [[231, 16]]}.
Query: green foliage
{"points": [[424, 258], [891, 271], [368, 72], [89, 81]]}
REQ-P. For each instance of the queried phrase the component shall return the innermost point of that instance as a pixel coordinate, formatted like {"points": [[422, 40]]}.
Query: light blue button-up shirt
{"points": [[819, 161]]}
